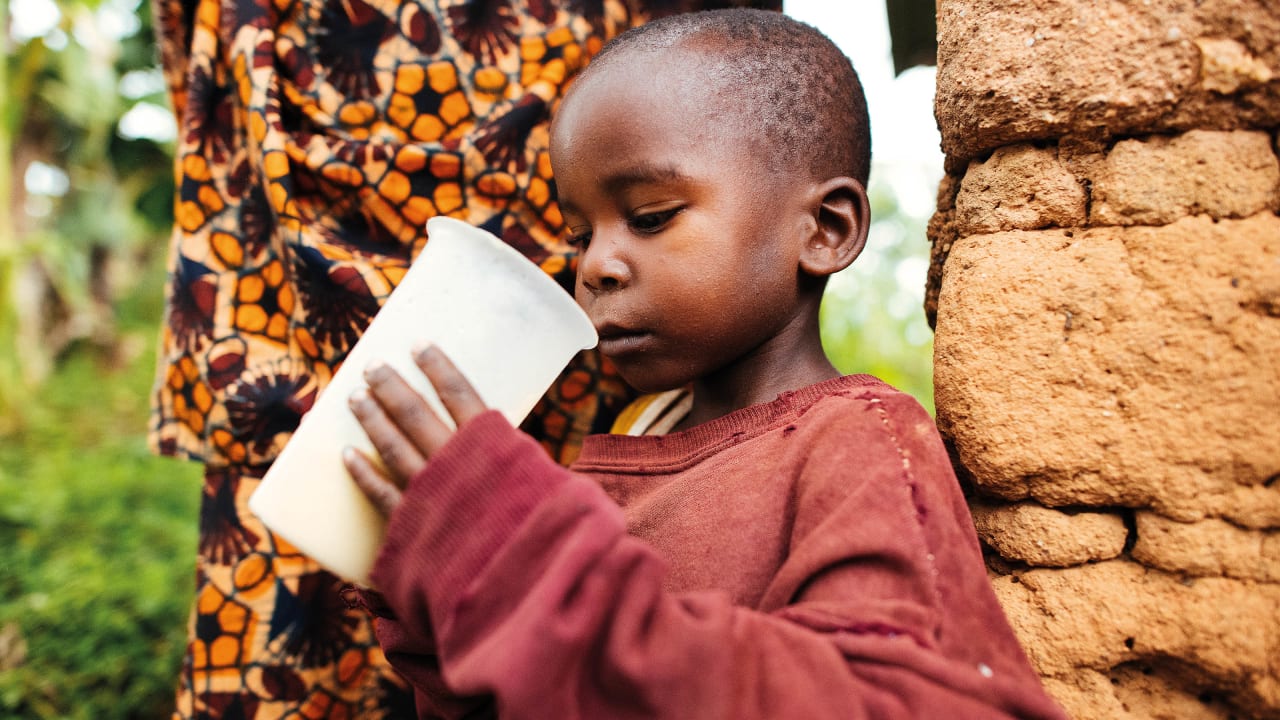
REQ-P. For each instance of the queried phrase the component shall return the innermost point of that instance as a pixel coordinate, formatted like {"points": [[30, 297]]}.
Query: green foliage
{"points": [[873, 313], [99, 541], [61, 103]]}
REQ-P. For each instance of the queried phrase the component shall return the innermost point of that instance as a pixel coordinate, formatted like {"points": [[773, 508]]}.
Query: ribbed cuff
{"points": [[460, 510]]}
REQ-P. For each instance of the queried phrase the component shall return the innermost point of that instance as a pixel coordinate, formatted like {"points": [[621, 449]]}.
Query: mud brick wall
{"points": [[1105, 288]]}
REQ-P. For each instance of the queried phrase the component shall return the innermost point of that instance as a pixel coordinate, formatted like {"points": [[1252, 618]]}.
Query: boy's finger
{"points": [[406, 409], [454, 390], [401, 455], [383, 493]]}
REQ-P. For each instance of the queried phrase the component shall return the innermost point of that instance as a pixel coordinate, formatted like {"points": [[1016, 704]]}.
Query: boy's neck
{"points": [[789, 361]]}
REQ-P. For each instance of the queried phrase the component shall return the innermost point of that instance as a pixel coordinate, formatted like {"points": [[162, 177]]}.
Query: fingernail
{"points": [[424, 351], [358, 396], [375, 369], [348, 454]]}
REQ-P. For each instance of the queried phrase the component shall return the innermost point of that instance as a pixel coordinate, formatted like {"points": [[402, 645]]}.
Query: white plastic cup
{"points": [[507, 326]]}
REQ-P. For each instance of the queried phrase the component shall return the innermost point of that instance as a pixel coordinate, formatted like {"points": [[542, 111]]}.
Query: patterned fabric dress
{"points": [[315, 139]]}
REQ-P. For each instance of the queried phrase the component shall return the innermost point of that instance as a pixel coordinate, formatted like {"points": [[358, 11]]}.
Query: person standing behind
{"points": [[315, 140]]}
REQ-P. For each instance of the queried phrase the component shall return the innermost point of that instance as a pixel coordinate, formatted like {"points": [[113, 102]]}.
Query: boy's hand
{"points": [[402, 427]]}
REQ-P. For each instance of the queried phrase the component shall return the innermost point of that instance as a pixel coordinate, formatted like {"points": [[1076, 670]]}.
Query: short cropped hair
{"points": [[792, 83]]}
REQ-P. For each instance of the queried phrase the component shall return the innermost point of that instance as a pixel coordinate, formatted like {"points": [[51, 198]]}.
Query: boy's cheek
{"points": [[582, 297]]}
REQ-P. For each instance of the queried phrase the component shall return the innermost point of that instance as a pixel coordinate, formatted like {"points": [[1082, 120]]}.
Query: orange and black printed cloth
{"points": [[315, 139]]}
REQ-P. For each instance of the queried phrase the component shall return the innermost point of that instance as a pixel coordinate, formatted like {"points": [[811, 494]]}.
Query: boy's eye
{"points": [[579, 240], [651, 222]]}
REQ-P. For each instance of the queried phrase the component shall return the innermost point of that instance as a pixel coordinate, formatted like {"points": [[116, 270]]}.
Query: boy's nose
{"points": [[602, 269]]}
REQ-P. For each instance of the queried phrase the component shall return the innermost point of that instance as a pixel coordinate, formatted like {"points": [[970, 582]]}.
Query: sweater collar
{"points": [[652, 454]]}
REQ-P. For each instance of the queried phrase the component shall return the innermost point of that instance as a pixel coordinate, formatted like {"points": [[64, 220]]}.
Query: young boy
{"points": [[798, 546]]}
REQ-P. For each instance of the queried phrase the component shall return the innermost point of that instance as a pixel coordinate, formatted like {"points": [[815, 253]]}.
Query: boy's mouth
{"points": [[619, 340]]}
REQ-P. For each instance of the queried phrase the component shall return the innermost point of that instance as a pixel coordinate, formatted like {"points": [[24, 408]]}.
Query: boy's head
{"points": [[783, 83], [711, 166]]}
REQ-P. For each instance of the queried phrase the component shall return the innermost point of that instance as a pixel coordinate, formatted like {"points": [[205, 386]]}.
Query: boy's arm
{"points": [[538, 597], [418, 662]]}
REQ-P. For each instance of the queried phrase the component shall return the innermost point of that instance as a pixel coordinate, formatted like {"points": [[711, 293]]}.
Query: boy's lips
{"points": [[619, 340]]}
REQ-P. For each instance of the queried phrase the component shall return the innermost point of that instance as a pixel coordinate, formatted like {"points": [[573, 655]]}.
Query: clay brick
{"points": [[1019, 187], [1114, 616], [1086, 694], [1226, 66], [1137, 690], [1163, 690], [942, 232], [1210, 547], [1131, 366], [1157, 180], [1013, 72], [1044, 537]]}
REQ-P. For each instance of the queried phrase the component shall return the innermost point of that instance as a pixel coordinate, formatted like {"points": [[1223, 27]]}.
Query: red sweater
{"points": [[809, 558]]}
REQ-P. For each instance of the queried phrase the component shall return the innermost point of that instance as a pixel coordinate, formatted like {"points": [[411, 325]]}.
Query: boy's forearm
{"points": [[456, 514]]}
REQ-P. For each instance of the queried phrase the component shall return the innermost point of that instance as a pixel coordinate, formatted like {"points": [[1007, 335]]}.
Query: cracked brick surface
{"points": [[1132, 366], [1102, 69]]}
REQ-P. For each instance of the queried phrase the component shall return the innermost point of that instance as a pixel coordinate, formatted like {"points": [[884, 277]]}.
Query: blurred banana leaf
{"points": [[84, 206]]}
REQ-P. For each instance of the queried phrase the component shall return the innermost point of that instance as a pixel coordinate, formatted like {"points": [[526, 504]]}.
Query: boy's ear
{"points": [[842, 217]]}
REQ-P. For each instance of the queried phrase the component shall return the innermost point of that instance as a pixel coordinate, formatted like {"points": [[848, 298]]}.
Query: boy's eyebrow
{"points": [[640, 174], [628, 177]]}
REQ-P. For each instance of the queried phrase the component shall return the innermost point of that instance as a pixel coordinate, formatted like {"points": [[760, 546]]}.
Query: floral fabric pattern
{"points": [[271, 635]]}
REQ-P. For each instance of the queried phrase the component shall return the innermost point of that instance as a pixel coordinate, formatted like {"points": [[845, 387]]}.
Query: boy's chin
{"points": [[648, 381]]}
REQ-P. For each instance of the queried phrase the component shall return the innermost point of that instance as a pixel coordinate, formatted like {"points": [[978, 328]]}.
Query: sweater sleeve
{"points": [[515, 581]]}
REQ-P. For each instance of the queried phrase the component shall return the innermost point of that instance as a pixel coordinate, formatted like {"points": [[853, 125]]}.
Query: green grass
{"points": [[98, 541]]}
